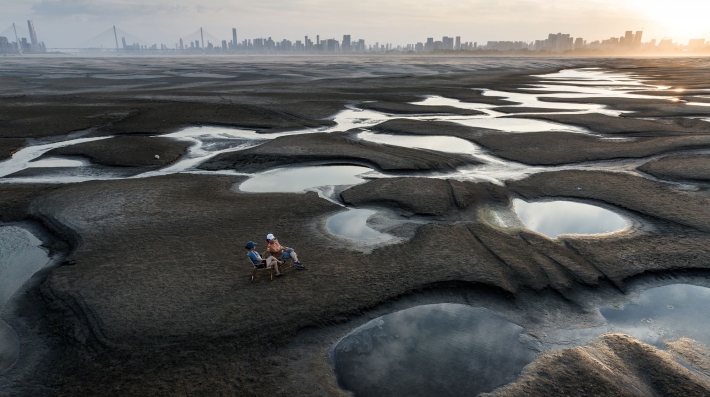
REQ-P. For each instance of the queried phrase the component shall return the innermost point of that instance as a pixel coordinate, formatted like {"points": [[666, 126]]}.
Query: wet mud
{"points": [[154, 295], [334, 148], [680, 168], [127, 151]]}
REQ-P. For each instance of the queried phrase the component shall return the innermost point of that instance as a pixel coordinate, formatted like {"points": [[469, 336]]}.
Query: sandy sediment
{"points": [[691, 351], [680, 168], [155, 298], [408, 108], [613, 365], [557, 148], [642, 107], [423, 196], [127, 151], [603, 124], [334, 148], [524, 109], [548, 147]]}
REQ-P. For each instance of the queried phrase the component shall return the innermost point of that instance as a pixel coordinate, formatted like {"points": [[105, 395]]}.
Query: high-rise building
{"points": [[346, 43], [629, 38], [33, 34], [181, 45], [429, 46], [447, 43], [579, 43], [637, 37], [234, 38], [458, 43], [696, 43]]}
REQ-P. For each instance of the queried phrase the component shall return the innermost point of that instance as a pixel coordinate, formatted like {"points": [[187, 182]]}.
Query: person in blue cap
{"points": [[259, 261]]}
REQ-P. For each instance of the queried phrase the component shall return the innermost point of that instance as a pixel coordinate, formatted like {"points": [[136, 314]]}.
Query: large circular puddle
{"points": [[554, 218], [444, 349]]}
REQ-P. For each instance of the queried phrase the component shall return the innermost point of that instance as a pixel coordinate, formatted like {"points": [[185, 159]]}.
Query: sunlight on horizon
{"points": [[684, 19]]}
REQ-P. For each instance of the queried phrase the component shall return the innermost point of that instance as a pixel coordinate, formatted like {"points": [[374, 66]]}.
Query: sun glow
{"points": [[678, 18]]}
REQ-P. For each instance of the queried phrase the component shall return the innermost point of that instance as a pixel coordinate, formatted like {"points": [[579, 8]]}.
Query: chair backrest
{"points": [[252, 262]]}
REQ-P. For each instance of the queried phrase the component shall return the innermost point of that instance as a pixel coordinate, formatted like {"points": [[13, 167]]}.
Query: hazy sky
{"points": [[63, 23]]}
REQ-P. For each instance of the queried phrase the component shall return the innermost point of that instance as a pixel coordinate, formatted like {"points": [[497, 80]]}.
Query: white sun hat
{"points": [[270, 236]]}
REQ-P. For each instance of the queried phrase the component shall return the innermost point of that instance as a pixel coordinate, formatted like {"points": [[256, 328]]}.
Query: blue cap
{"points": [[251, 245]]}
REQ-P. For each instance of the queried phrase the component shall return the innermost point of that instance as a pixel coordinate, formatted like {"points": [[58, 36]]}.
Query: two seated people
{"points": [[278, 254]]}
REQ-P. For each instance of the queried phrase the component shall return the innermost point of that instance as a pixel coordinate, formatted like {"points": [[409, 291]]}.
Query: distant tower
{"points": [[181, 46], [202, 38], [19, 45], [234, 38], [115, 36], [33, 34], [317, 39]]}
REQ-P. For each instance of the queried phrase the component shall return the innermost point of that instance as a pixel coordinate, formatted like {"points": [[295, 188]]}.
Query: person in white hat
{"points": [[280, 252]]}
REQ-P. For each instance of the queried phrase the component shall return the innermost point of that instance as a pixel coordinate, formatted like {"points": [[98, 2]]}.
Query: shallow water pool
{"points": [[664, 313], [554, 218], [352, 224], [443, 349], [300, 179]]}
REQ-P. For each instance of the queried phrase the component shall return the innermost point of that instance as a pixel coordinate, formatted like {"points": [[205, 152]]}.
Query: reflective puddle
{"points": [[352, 224], [446, 144], [444, 349], [554, 218], [436, 100], [20, 257], [298, 180], [55, 162], [511, 124], [664, 313]]}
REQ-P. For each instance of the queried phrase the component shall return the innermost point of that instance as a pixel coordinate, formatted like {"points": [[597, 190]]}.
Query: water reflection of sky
{"points": [[444, 349], [665, 313], [447, 144], [554, 218], [20, 258], [352, 224], [297, 180], [55, 162]]}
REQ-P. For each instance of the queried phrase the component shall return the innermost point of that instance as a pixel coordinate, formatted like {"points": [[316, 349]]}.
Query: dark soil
{"points": [[334, 148], [408, 108], [680, 168], [127, 151]]}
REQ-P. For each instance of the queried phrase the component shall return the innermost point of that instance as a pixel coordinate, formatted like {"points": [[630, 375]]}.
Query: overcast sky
{"points": [[67, 23]]}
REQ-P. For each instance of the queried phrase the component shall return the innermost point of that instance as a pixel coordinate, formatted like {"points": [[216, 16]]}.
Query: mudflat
{"points": [[151, 294]]}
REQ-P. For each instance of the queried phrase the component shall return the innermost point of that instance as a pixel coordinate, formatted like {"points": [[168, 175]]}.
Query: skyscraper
{"points": [[234, 38], [629, 37], [637, 37], [181, 45], [346, 43], [458, 43], [33, 34]]}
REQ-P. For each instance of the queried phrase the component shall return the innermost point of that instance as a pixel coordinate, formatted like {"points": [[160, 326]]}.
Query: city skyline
{"points": [[195, 43], [73, 22]]}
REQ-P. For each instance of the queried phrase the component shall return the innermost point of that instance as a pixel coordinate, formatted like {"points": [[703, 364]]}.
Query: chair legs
{"points": [[271, 274]]}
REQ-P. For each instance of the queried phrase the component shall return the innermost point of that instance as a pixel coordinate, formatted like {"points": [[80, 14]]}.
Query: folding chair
{"points": [[260, 267]]}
